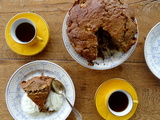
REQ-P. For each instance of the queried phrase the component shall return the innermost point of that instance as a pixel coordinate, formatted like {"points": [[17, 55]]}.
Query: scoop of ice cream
{"points": [[28, 106], [54, 102]]}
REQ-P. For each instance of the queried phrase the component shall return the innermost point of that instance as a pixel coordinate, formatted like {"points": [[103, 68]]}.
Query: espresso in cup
{"points": [[23, 31], [120, 103]]}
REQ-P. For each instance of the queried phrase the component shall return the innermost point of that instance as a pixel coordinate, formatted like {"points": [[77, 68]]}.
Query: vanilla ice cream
{"points": [[54, 102]]}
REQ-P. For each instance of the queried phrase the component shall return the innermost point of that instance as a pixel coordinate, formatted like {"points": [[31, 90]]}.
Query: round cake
{"points": [[93, 25]]}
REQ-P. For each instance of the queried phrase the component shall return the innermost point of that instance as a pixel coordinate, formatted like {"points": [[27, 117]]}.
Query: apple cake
{"points": [[93, 25], [38, 89]]}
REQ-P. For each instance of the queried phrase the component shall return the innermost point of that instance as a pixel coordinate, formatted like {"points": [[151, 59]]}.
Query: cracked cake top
{"points": [[113, 18]]}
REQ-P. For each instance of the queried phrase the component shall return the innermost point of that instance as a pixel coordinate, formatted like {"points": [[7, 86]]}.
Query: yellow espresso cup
{"points": [[120, 102], [24, 32]]}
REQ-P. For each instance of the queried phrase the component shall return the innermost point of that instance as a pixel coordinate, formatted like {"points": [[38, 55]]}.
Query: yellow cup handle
{"points": [[135, 101], [39, 39]]}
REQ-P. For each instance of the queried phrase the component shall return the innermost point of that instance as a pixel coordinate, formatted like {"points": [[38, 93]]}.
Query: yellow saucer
{"points": [[105, 90], [42, 31]]}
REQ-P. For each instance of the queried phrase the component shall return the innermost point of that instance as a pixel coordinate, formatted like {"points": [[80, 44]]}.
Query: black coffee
{"points": [[25, 32], [118, 101]]}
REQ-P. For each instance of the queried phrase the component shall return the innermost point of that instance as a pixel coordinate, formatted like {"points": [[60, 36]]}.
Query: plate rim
{"points": [[145, 49], [33, 62], [131, 50]]}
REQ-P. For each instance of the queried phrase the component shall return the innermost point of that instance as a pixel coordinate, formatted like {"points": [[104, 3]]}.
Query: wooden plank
{"points": [[87, 82], [52, 50], [34, 5], [55, 21]]}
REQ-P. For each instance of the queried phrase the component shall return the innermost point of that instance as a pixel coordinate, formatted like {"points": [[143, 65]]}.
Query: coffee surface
{"points": [[25, 32], [118, 101]]}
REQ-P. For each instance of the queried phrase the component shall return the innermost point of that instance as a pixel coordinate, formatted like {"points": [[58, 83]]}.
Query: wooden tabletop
{"points": [[86, 81]]}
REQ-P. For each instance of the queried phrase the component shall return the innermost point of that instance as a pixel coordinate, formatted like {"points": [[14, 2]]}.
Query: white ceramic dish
{"points": [[110, 61], [14, 91], [152, 50]]}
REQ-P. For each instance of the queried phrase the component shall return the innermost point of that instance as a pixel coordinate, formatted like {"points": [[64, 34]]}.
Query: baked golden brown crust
{"points": [[37, 89], [87, 17]]}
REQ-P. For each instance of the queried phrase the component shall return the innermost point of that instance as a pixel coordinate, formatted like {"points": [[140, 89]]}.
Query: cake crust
{"points": [[86, 17]]}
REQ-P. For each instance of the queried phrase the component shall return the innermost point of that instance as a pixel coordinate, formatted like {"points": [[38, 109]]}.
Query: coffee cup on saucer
{"points": [[24, 32], [120, 102], [116, 99]]}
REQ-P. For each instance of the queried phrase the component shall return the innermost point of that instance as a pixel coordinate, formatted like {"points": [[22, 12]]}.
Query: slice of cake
{"points": [[38, 89]]}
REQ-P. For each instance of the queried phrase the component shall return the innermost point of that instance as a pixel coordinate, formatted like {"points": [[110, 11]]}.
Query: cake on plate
{"points": [[93, 25]]}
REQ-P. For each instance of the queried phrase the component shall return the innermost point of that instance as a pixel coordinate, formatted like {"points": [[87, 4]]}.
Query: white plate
{"points": [[152, 50], [14, 92], [109, 62]]}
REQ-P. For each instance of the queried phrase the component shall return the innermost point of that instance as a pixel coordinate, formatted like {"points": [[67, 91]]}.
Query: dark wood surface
{"points": [[86, 81]]}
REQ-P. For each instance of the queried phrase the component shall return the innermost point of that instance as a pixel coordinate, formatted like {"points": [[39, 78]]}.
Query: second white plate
{"points": [[152, 50]]}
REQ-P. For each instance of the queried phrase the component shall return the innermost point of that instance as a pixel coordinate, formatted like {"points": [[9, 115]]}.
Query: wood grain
{"points": [[86, 81]]}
